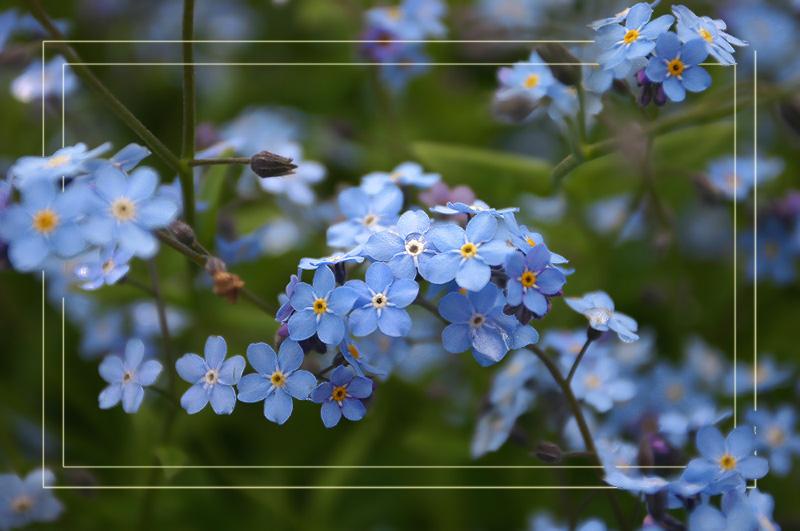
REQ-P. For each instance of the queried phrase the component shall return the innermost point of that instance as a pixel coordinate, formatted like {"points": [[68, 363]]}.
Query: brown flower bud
{"points": [[182, 232], [266, 164], [227, 285], [559, 57], [548, 452]]}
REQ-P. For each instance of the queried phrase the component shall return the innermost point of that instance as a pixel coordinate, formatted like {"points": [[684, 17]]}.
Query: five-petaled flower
{"points": [[127, 377], [320, 309], [277, 380], [531, 279], [598, 308], [635, 39], [380, 303], [408, 249], [726, 462], [27, 500], [678, 67], [213, 378], [342, 396]]}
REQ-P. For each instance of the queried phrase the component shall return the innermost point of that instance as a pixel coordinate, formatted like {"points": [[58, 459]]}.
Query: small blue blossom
{"points": [[286, 310], [776, 436], [380, 303], [406, 250], [31, 85], [739, 511], [678, 67], [466, 256], [525, 239], [519, 370], [365, 215], [277, 380], [43, 224], [495, 425], [124, 211], [532, 279], [110, 266], [531, 79], [125, 159], [67, 162], [310, 264], [774, 253], [342, 396], [475, 208], [620, 467], [616, 19], [212, 378], [633, 40], [406, 174], [320, 309], [600, 384], [598, 307], [480, 324], [374, 350], [23, 501], [734, 180], [690, 27], [724, 459], [127, 377]]}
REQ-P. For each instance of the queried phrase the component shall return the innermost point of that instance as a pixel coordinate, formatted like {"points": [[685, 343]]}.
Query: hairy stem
{"points": [[189, 120], [228, 160]]}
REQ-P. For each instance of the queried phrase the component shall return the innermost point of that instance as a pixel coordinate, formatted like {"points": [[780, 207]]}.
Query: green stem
{"points": [[102, 91], [578, 360], [228, 160], [162, 322], [189, 119], [583, 426]]}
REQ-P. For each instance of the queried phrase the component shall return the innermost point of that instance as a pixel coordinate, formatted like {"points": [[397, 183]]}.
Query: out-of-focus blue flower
{"points": [[127, 377], [146, 323], [67, 162], [524, 239], [125, 159], [549, 210], [466, 256], [342, 396], [360, 358], [320, 309], [678, 67], [531, 279], [532, 79], [406, 174], [598, 308], [110, 266], [705, 361], [277, 379], [478, 322], [23, 501], [726, 458], [8, 21], [633, 40], [310, 264], [739, 511], [475, 208], [544, 522], [243, 249], [285, 298], [43, 224], [690, 26], [601, 385], [775, 253], [365, 215], [124, 211], [102, 334], [600, 80], [428, 15], [212, 378], [775, 435], [618, 18], [517, 372], [296, 187], [620, 466], [380, 303], [768, 375], [30, 85], [770, 29], [408, 250], [736, 181], [495, 425]]}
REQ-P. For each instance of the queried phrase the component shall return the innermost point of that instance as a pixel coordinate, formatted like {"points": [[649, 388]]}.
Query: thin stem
{"points": [[583, 426], [578, 360], [428, 305], [136, 284], [258, 302], [228, 160], [102, 91], [162, 322], [189, 120]]}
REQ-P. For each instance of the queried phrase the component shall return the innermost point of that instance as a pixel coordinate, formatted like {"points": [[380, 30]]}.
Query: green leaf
{"points": [[211, 193], [171, 456], [493, 174]]}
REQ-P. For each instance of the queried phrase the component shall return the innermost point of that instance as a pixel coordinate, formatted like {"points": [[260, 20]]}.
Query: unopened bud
{"points": [[214, 264], [564, 65], [266, 164], [548, 452], [227, 285], [790, 112], [182, 232]]}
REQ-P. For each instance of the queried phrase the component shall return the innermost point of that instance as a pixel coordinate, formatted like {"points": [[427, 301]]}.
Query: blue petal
{"points": [[402, 293], [741, 442], [456, 338], [388, 201], [550, 281], [447, 237], [141, 184], [674, 89], [141, 242], [290, 356], [322, 392], [481, 228], [324, 281], [302, 325], [353, 409], [696, 79], [364, 321], [157, 213], [473, 274], [341, 376], [694, 52], [640, 48], [253, 387], [331, 413], [300, 384], [262, 358], [110, 183], [384, 245], [753, 467], [379, 277], [495, 252], [303, 296], [191, 368], [68, 240], [609, 35], [442, 268], [360, 387], [394, 322], [148, 372], [230, 372], [342, 299], [278, 407], [112, 370], [27, 252], [223, 399], [110, 396], [668, 46], [455, 307], [413, 222], [403, 265], [638, 16], [656, 27], [656, 70], [354, 203], [710, 443], [484, 300], [535, 301], [194, 399], [490, 342], [330, 328], [215, 351], [132, 396]]}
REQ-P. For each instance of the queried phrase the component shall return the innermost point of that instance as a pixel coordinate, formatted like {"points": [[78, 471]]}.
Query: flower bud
{"points": [[266, 164], [182, 232], [569, 74], [548, 452]]}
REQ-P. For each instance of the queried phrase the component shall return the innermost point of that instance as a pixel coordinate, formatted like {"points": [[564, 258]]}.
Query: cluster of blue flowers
{"points": [[393, 37]]}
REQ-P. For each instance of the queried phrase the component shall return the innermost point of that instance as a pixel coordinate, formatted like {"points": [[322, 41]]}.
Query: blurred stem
{"points": [[584, 137], [428, 305], [578, 360], [136, 284], [162, 323], [230, 160], [102, 91], [583, 426], [189, 120]]}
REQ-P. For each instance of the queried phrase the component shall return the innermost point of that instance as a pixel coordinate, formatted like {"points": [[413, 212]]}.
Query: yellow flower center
{"points": [[468, 250], [395, 176], [45, 221], [278, 379], [339, 393], [631, 36], [462, 291], [123, 209], [705, 34], [776, 437], [674, 392], [320, 306], [531, 81], [593, 382], [108, 266], [353, 351], [675, 67], [727, 462], [530, 242], [394, 12], [528, 279], [22, 504], [55, 162]]}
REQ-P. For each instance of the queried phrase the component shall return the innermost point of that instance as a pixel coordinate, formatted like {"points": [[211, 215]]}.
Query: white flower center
{"points": [[55, 162], [123, 209], [598, 316], [127, 377], [477, 320], [415, 247], [211, 377], [108, 266], [379, 301], [22, 504]]}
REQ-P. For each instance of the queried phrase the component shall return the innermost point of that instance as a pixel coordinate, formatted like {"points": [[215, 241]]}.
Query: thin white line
{"points": [[370, 467], [735, 243], [63, 424], [325, 487], [755, 230], [336, 64], [443, 41], [43, 291]]}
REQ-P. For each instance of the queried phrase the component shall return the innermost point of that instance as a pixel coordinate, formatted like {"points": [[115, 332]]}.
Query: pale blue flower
{"points": [[342, 396], [320, 309], [212, 378], [405, 174], [598, 308], [107, 268], [67, 162], [381, 302], [127, 377], [406, 249], [23, 501]]}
